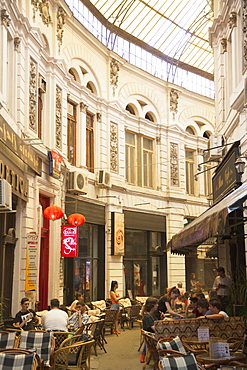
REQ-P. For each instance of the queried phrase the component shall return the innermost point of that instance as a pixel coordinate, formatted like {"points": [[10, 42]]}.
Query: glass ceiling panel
{"points": [[177, 28]]}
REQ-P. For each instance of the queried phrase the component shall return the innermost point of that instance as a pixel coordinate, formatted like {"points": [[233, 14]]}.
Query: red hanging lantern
{"points": [[53, 213], [76, 219]]}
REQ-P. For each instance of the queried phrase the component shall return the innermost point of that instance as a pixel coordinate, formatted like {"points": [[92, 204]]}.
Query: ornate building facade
{"points": [[124, 146]]}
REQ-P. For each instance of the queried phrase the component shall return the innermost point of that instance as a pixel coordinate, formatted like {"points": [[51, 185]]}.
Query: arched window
{"points": [[91, 87], [149, 116], [190, 130], [130, 109]]}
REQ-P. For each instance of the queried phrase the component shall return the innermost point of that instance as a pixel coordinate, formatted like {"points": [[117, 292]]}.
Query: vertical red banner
{"points": [[69, 241]]}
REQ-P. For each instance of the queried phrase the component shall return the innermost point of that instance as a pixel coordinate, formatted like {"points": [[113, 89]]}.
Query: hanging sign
{"points": [[54, 163], [69, 241], [31, 262], [117, 234]]}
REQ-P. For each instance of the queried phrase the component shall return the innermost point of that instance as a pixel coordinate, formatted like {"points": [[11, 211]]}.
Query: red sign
{"points": [[69, 241]]}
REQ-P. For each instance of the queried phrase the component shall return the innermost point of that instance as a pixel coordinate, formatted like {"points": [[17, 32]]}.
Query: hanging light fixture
{"points": [[53, 213], [76, 219]]}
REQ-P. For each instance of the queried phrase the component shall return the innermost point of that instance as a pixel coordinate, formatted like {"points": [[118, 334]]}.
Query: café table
{"points": [[205, 358]]}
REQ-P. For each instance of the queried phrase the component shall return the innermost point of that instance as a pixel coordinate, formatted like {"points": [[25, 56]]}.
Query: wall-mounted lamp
{"points": [[240, 164]]}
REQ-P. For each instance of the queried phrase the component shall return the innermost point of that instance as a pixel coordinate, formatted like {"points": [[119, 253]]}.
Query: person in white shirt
{"points": [[215, 309], [55, 319], [221, 286]]}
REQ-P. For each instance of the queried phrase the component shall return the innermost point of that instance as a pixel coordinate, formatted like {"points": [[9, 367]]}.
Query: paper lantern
{"points": [[76, 219], [53, 213]]}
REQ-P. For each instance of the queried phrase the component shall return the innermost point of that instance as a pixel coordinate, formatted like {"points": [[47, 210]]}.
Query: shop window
{"points": [[71, 140], [190, 171], [90, 142], [139, 160]]}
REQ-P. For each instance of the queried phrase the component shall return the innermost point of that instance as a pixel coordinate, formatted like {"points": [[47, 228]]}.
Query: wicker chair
{"points": [[96, 329], [19, 359], [72, 340], [152, 351], [74, 357], [188, 361], [60, 336], [110, 316], [129, 315], [141, 335], [8, 340]]}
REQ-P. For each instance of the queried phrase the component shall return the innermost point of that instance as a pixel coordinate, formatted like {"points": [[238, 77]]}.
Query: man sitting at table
{"points": [[203, 308], [215, 308], [55, 319], [79, 317], [192, 310]]}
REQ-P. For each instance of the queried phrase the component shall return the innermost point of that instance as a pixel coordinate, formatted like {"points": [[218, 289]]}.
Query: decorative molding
{"points": [[60, 26], [83, 107], [99, 117], [58, 117], [244, 22], [32, 95], [232, 20], [35, 4], [44, 12], [5, 18], [174, 102], [174, 164], [114, 69], [223, 46], [114, 147], [17, 42]]}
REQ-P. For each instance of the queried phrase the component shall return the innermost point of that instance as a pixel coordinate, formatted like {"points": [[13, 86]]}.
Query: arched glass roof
{"points": [[178, 29]]}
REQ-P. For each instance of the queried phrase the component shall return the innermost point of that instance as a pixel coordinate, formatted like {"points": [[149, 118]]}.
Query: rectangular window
{"points": [[71, 141], [208, 180], [139, 160], [190, 171], [90, 142]]}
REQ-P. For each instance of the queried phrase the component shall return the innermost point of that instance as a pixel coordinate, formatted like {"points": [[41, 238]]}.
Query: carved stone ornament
{"points": [[114, 69], [99, 117], [35, 4], [244, 21], [60, 25], [174, 102], [174, 164], [223, 46], [5, 18], [17, 42], [44, 11], [58, 117], [114, 147], [83, 107], [232, 20], [32, 95]]}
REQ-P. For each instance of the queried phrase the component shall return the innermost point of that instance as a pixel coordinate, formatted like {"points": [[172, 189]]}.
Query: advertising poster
{"points": [[117, 234], [69, 241], [31, 262]]}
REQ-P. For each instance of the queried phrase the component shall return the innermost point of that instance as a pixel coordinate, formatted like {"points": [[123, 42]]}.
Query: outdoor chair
{"points": [[40, 341], [18, 359], [74, 357], [76, 338], [195, 346], [141, 335], [129, 315], [96, 329], [152, 351], [175, 360], [110, 316], [60, 336], [8, 340], [100, 305], [80, 330]]}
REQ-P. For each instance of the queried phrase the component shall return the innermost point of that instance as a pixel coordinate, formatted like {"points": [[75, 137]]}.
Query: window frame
{"points": [[71, 119], [90, 142], [190, 163]]}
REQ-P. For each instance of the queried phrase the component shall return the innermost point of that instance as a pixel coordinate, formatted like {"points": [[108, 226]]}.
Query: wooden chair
{"points": [[152, 351], [40, 341], [60, 336], [74, 357], [177, 360], [96, 329], [72, 340], [110, 316], [80, 330], [141, 336], [19, 359], [192, 344], [8, 340]]}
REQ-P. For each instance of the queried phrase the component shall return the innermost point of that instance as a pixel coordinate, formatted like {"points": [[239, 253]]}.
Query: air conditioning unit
{"points": [[78, 182], [5, 195], [214, 142], [104, 179]]}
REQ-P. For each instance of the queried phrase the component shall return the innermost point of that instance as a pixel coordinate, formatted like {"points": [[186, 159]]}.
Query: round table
{"points": [[205, 358]]}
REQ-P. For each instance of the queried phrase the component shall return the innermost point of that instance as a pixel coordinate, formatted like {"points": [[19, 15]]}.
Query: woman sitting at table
{"points": [[215, 311], [164, 305], [148, 319]]}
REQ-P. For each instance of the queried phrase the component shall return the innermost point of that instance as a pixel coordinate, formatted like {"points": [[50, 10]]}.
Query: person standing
{"points": [[115, 297], [221, 286], [25, 318], [55, 319]]}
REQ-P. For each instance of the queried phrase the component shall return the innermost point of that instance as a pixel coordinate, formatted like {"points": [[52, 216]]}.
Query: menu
{"points": [[203, 334], [219, 349]]}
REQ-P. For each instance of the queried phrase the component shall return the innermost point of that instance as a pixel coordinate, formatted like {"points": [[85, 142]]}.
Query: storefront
{"points": [[144, 256], [86, 273]]}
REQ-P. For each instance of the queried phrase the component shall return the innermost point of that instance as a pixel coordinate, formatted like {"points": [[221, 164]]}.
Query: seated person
{"points": [[215, 309], [179, 303], [192, 310], [202, 306], [55, 319], [25, 318], [79, 317]]}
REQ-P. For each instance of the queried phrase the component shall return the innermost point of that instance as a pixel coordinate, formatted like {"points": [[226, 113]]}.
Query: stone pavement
{"points": [[121, 353]]}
